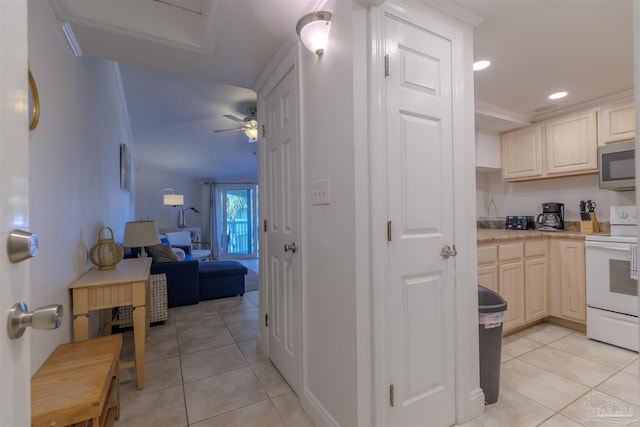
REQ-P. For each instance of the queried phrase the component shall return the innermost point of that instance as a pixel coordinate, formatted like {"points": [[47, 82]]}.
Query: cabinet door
{"points": [[522, 154], [616, 123], [535, 282], [488, 277], [571, 144], [511, 288], [568, 276]]}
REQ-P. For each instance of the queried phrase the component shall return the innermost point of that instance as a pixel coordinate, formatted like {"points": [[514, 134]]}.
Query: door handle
{"points": [[290, 247], [48, 317], [447, 252]]}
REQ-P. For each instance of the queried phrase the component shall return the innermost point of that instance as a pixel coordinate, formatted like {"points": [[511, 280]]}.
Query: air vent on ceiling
{"points": [[544, 108]]}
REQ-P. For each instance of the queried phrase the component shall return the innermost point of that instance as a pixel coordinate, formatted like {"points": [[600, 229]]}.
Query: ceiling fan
{"points": [[249, 124]]}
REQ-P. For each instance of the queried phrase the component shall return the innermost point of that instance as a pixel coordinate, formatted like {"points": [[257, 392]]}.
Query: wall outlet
{"points": [[320, 192]]}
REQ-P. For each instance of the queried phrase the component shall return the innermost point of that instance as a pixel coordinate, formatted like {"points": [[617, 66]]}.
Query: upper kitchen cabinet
{"points": [[616, 122], [563, 146], [522, 154], [571, 144]]}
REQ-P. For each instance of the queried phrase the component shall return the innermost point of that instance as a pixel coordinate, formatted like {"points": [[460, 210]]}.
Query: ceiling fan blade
{"points": [[234, 118], [227, 130]]}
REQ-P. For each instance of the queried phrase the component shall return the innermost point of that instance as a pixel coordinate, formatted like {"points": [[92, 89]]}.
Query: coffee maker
{"points": [[552, 217]]}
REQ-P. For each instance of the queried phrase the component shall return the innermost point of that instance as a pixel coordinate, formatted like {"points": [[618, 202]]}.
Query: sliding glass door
{"points": [[239, 233]]}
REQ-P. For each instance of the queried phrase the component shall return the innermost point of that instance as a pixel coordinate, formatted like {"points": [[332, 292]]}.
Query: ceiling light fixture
{"points": [[313, 29], [558, 95], [252, 134], [481, 65]]}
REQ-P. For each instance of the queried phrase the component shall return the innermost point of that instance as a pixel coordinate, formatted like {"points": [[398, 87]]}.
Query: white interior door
{"points": [[420, 304], [282, 265], [15, 397]]}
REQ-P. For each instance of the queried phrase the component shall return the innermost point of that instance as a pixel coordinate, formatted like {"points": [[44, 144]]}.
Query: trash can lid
{"points": [[489, 301]]}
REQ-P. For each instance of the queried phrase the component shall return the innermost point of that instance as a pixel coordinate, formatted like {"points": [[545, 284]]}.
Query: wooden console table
{"points": [[76, 383], [127, 284]]}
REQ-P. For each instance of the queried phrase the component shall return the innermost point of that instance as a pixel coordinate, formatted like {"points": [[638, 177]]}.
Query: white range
{"points": [[612, 293]]}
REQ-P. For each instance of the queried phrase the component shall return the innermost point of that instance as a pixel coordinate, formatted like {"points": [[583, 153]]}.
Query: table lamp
{"points": [[140, 234]]}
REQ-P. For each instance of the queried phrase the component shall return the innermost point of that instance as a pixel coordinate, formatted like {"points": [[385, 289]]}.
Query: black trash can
{"points": [[491, 308]]}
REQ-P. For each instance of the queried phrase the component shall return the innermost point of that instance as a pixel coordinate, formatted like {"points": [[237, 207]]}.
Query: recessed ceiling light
{"points": [[558, 95], [481, 65]]}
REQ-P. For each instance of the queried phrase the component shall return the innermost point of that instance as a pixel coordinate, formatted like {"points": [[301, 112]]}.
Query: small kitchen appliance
{"points": [[612, 285], [617, 165], [520, 223], [552, 217]]}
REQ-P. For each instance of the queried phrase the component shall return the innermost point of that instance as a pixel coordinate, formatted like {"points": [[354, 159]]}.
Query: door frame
{"points": [[468, 395]]}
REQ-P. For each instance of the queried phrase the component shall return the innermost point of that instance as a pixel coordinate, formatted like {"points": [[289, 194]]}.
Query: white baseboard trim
{"points": [[473, 409], [317, 413]]}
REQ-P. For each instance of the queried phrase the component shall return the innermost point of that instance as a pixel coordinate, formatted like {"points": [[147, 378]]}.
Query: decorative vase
{"points": [[106, 253]]}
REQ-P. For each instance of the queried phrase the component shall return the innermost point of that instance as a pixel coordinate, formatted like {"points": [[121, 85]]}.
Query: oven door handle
{"points": [[623, 247]]}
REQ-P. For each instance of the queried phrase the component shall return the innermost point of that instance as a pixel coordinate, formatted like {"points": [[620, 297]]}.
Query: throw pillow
{"points": [[163, 253], [179, 253]]}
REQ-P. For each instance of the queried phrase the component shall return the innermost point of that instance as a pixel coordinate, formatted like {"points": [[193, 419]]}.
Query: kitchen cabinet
{"points": [[564, 146], [571, 144], [519, 272], [522, 154], [567, 280], [536, 273], [616, 122]]}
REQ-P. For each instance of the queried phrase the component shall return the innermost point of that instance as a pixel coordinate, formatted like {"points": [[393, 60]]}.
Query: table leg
{"points": [[81, 327], [139, 335]]}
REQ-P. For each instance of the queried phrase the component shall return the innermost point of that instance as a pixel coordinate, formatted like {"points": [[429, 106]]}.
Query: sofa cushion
{"points": [[179, 238], [179, 253], [163, 253]]}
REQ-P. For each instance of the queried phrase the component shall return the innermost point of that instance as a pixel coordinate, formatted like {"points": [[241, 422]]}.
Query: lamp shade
{"points": [[313, 29], [251, 133], [140, 233], [173, 199]]}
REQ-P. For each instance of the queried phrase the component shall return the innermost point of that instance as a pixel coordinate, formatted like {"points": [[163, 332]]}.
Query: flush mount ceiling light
{"points": [[313, 29], [481, 65], [558, 95]]}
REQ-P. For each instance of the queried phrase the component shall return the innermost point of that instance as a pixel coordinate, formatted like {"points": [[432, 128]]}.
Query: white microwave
{"points": [[617, 166]]}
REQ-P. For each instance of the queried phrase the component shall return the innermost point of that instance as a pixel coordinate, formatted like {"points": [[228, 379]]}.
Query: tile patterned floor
{"points": [[555, 377], [202, 369]]}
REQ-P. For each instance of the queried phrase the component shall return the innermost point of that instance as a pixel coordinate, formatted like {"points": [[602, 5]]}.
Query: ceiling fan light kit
{"points": [[249, 124], [313, 29]]}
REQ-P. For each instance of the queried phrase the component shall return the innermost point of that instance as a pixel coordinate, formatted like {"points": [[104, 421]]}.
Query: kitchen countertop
{"points": [[488, 235]]}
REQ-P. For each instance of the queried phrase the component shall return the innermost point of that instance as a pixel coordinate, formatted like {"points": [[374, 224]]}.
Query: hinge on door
{"points": [[391, 396], [266, 320], [265, 225], [386, 65], [264, 133], [388, 231]]}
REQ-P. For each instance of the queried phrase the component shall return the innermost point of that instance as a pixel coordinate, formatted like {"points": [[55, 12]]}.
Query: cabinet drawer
{"points": [[535, 248], [487, 255], [510, 251]]}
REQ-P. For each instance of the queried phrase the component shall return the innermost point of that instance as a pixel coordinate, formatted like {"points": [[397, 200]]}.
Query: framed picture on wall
{"points": [[125, 168]]}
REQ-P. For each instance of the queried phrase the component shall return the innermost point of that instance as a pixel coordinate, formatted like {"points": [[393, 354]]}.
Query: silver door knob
{"points": [[446, 251], [48, 317], [290, 247]]}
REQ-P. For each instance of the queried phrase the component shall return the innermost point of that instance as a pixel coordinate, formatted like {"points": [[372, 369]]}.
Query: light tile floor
{"points": [[202, 369], [555, 377]]}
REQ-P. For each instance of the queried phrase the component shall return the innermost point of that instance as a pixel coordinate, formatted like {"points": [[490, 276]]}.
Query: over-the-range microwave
{"points": [[617, 166]]}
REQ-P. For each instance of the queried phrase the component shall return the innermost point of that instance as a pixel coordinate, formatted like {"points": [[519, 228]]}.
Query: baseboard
{"points": [[474, 407], [317, 413]]}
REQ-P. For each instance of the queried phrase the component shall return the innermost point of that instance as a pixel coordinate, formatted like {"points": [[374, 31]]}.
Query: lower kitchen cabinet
{"points": [[567, 279], [511, 288], [519, 272]]}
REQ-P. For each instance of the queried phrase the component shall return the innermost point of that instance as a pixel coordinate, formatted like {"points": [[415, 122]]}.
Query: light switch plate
{"points": [[320, 190]]}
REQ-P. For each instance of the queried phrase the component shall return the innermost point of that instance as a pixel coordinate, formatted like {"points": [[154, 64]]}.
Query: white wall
{"points": [[524, 198], [74, 168], [150, 181], [329, 231]]}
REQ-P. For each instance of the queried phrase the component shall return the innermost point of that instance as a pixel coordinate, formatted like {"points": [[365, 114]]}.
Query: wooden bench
{"points": [[76, 383]]}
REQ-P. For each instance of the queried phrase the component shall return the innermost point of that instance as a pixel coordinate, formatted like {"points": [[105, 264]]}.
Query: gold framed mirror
{"points": [[34, 103]]}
